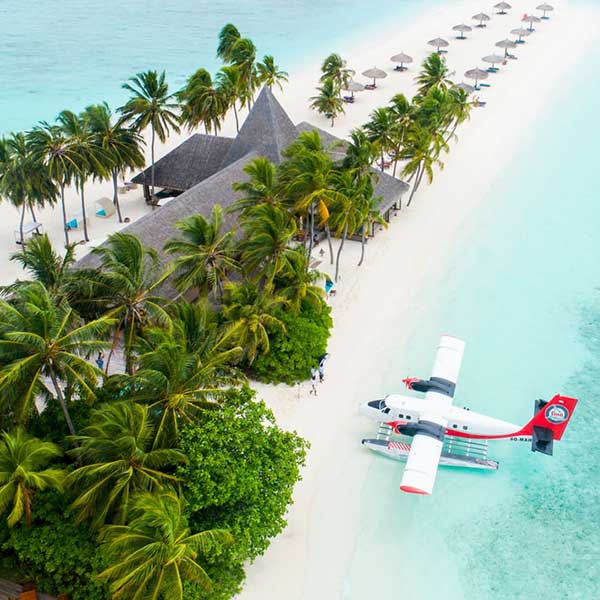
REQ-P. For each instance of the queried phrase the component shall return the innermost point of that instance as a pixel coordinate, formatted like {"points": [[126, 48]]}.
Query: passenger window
{"points": [[465, 427], [400, 416], [455, 426], [408, 417], [386, 411]]}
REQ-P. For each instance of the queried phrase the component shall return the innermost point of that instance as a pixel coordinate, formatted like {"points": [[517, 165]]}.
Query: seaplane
{"points": [[444, 434]]}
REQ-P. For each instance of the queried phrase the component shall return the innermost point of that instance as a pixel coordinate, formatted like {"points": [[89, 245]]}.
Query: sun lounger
{"points": [[349, 99], [399, 68], [484, 85], [75, 220], [492, 69], [29, 229], [104, 208], [370, 86], [130, 185]]}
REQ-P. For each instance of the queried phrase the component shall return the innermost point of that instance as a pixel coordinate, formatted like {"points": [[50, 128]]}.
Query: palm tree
{"points": [[243, 56], [151, 105], [328, 102], [306, 178], [265, 248], [459, 109], [45, 265], [90, 158], [297, 282], [360, 152], [346, 215], [178, 383], [382, 130], [270, 74], [156, 552], [228, 36], [125, 288], [402, 112], [54, 150], [421, 151], [122, 145], [262, 186], [250, 314], [117, 459], [434, 73], [41, 340], [231, 88], [24, 181], [205, 254], [203, 103], [24, 470], [369, 214], [334, 68]]}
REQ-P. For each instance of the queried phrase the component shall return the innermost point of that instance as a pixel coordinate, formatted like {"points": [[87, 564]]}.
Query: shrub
{"points": [[292, 353], [240, 476]]}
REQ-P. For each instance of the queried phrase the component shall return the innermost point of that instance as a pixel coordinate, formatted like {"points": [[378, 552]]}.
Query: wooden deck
{"points": [[12, 591]]}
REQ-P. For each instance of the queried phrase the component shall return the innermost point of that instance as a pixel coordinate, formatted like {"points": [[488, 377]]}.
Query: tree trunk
{"points": [[312, 230], [382, 161], [116, 195], [215, 125], [416, 185], [21, 224], [332, 120], [64, 213], [362, 244], [33, 218], [339, 252], [205, 128], [327, 230], [85, 230], [112, 347], [62, 401], [237, 124], [152, 159], [27, 506]]}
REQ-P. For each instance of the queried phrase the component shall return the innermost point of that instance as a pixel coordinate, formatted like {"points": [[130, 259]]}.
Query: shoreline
{"points": [[310, 558]]}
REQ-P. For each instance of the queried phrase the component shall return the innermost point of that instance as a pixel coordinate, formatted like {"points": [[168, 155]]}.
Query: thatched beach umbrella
{"points": [[477, 74], [375, 74], [506, 44], [502, 7], [462, 28], [467, 87], [531, 19], [438, 43], [545, 8], [353, 86], [402, 59], [493, 59], [521, 32], [481, 17]]}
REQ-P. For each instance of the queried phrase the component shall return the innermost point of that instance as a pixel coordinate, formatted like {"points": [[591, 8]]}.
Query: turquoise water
{"points": [[71, 53], [523, 289]]}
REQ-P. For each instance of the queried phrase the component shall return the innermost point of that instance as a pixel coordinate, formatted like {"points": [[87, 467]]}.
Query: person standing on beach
{"points": [[322, 371], [313, 381], [100, 360]]}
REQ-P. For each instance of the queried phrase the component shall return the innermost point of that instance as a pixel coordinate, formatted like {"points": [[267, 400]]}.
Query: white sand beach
{"points": [[384, 297]]}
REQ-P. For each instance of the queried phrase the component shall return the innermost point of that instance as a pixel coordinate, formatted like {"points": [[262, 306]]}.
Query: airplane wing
{"points": [[421, 466]]}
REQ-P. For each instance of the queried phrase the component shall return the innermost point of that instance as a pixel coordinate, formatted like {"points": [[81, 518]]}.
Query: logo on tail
{"points": [[556, 414]]}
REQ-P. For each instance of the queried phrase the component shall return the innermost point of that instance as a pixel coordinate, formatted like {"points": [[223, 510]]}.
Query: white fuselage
{"points": [[406, 410]]}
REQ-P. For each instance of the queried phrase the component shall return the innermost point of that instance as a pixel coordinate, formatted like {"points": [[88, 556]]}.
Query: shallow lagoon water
{"points": [[72, 53], [523, 289]]}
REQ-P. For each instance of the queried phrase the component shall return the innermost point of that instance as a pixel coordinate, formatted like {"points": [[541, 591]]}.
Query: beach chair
{"points": [[104, 208], [370, 86], [29, 229], [75, 220]]}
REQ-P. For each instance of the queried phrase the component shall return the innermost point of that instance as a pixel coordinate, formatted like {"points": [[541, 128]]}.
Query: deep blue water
{"points": [[71, 53]]}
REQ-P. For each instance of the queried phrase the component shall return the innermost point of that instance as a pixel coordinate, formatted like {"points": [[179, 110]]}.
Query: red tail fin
{"points": [[554, 415]]}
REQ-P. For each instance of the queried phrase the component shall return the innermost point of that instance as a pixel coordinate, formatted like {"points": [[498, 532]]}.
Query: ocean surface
{"points": [[523, 289], [72, 53]]}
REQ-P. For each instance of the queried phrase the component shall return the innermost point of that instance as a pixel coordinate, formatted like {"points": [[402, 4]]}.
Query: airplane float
{"points": [[443, 434]]}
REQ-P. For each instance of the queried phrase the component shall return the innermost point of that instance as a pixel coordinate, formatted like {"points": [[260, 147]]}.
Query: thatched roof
{"points": [[191, 162], [390, 189], [267, 130], [156, 227]]}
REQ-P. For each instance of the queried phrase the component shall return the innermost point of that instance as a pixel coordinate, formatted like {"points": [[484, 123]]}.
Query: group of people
{"points": [[319, 372]]}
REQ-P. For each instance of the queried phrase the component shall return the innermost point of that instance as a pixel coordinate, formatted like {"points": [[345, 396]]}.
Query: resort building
{"points": [[200, 172]]}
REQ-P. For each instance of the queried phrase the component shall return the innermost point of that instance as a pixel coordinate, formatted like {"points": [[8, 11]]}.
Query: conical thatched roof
{"points": [[267, 131]]}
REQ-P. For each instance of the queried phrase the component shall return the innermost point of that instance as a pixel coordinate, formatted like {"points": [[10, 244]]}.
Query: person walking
{"points": [[100, 360], [322, 371], [313, 381]]}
